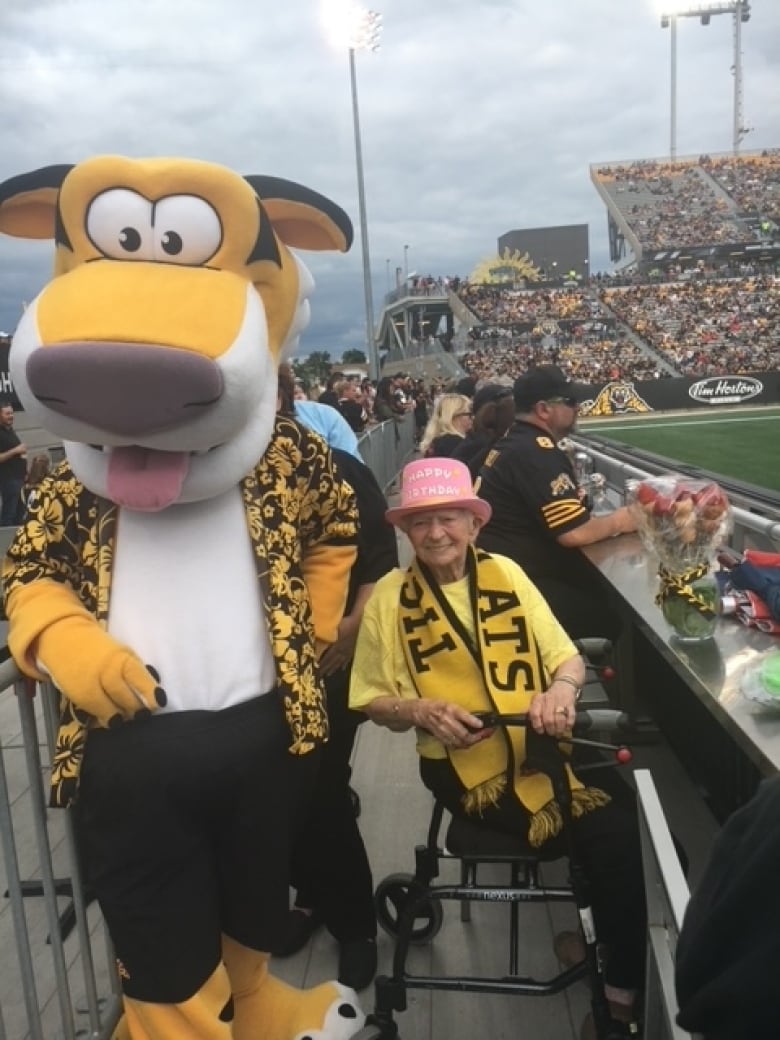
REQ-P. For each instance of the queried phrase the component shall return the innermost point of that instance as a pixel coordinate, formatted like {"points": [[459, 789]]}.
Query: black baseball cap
{"points": [[489, 393], [542, 383], [466, 386]]}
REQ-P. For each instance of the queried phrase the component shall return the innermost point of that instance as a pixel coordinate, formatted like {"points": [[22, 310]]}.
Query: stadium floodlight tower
{"points": [[704, 11], [359, 30]]}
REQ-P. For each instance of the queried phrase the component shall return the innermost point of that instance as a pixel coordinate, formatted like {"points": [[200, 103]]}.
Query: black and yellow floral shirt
{"points": [[302, 521]]}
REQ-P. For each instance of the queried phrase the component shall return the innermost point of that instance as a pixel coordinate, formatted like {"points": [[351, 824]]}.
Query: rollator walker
{"points": [[409, 907]]}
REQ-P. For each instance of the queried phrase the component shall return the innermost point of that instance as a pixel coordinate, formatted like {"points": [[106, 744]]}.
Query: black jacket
{"points": [[728, 955]]}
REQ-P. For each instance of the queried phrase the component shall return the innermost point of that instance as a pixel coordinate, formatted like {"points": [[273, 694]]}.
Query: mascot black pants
{"points": [[185, 825]]}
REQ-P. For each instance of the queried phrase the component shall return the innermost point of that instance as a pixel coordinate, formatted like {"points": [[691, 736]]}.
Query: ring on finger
{"points": [[561, 711]]}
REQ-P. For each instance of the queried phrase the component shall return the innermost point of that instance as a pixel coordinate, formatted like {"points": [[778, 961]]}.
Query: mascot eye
{"points": [[130, 239], [119, 224], [171, 243], [187, 230]]}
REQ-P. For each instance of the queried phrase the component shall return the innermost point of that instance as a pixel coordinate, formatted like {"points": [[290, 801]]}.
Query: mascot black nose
{"points": [[127, 389]]}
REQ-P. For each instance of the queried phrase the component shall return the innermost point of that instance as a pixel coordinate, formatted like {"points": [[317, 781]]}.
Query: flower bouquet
{"points": [[683, 521]]}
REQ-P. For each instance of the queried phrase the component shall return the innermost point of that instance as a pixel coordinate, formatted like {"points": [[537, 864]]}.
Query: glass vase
{"points": [[690, 604]]}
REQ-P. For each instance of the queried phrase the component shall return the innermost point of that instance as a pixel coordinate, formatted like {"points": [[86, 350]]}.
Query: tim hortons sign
{"points": [[725, 390]]}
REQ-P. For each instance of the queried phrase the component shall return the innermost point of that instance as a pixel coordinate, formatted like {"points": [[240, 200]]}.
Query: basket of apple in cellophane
{"points": [[683, 521]]}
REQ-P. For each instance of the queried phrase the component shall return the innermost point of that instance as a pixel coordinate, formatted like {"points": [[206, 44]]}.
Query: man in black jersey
{"points": [[538, 518]]}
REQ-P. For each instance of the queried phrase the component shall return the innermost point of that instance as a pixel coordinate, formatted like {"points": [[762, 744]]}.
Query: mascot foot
{"points": [[246, 1003], [265, 1008]]}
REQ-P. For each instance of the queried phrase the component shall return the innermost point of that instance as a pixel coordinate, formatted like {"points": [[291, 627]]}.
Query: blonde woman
{"points": [[448, 425]]}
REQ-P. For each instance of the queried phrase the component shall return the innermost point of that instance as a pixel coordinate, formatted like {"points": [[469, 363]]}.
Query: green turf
{"points": [[744, 445]]}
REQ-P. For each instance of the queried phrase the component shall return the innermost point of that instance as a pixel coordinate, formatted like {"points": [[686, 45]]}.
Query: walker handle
{"points": [[600, 719]]}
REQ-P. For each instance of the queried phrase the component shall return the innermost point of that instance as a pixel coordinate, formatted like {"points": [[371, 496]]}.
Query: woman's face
{"points": [[441, 538], [462, 421]]}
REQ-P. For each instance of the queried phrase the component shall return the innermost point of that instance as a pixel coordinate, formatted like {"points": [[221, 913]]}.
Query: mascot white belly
{"points": [[201, 626]]}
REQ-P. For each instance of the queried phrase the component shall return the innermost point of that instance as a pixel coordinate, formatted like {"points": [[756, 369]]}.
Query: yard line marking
{"points": [[649, 423]]}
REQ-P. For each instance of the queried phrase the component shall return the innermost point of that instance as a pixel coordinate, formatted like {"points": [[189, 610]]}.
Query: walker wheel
{"points": [[390, 899]]}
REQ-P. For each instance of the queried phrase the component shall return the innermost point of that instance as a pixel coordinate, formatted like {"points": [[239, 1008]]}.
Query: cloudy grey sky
{"points": [[476, 117]]}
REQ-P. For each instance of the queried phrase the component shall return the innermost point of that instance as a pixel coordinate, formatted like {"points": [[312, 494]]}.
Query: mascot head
{"points": [[153, 350]]}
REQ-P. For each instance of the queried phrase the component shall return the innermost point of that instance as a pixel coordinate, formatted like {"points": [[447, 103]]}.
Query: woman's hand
{"points": [[553, 712], [456, 728]]}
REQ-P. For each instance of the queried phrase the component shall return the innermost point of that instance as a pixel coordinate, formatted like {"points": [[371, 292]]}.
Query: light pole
{"points": [[406, 262], [360, 29], [740, 9]]}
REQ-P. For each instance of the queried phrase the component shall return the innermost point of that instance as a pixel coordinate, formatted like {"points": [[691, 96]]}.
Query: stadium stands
{"points": [[672, 206], [706, 328]]}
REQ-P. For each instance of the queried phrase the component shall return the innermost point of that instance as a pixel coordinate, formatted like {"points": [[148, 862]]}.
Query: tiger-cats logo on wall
{"points": [[616, 398]]}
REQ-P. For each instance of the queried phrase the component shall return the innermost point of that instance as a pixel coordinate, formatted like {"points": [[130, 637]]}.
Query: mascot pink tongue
{"points": [[146, 480]]}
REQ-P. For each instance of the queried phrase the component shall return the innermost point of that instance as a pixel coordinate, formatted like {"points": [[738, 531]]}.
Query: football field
{"points": [[742, 443]]}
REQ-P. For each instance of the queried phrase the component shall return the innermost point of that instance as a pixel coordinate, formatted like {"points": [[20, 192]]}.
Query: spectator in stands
{"points": [[329, 395], [368, 390], [386, 405], [13, 468], [324, 420], [39, 468], [494, 413], [448, 425], [466, 386], [422, 406], [402, 391], [537, 517], [350, 404]]}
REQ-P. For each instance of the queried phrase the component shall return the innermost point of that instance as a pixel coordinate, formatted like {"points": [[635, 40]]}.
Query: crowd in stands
{"points": [[752, 181], [672, 206], [704, 327], [504, 307], [566, 327], [587, 359], [698, 325]]}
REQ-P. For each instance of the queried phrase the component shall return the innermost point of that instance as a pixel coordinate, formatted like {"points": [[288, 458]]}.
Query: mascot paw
{"points": [[332, 1011]]}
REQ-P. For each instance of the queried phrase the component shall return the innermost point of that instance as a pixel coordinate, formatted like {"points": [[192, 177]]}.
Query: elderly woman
{"points": [[448, 425], [460, 632]]}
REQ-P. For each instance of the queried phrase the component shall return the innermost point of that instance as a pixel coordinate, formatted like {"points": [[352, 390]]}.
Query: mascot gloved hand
{"points": [[93, 671], [192, 529]]}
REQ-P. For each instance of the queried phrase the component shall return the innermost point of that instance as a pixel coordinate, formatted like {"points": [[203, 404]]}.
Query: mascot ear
{"points": [[303, 218], [28, 203]]}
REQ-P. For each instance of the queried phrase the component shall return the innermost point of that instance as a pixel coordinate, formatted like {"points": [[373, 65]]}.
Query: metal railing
{"points": [[62, 982], [386, 447], [751, 530], [667, 894]]}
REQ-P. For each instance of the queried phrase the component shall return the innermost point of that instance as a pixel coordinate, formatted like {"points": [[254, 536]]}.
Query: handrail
{"points": [[386, 447], [666, 892], [751, 529], [27, 1008]]}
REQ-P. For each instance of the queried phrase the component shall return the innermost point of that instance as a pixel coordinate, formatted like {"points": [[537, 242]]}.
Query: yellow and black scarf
{"points": [[502, 673]]}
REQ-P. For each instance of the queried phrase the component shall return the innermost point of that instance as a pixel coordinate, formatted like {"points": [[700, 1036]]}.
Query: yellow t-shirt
{"points": [[379, 666]]}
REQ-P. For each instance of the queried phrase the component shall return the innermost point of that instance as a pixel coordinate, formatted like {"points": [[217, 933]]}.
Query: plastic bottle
{"points": [[600, 504]]}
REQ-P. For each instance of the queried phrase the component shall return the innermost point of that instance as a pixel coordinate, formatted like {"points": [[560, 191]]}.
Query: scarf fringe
{"points": [[546, 823], [484, 795]]}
